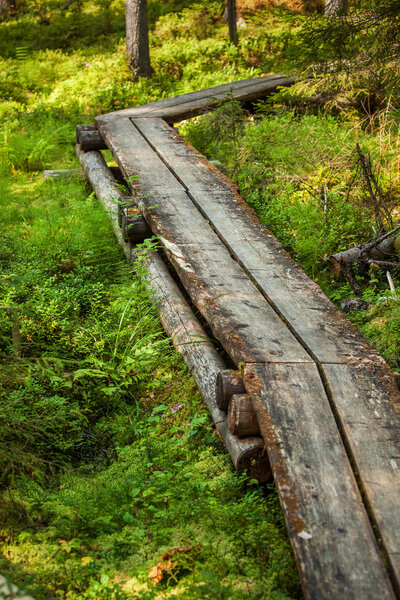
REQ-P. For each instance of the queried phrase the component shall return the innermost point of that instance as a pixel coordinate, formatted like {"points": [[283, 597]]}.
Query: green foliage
{"points": [[99, 477], [168, 495], [353, 59]]}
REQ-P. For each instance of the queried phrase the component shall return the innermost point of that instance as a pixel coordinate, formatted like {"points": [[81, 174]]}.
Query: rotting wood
{"points": [[240, 318], [180, 324], [323, 329], [134, 227], [382, 250], [194, 103], [336, 551], [228, 383], [242, 418], [367, 399]]}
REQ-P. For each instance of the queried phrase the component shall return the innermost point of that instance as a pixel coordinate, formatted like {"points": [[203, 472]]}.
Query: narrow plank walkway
{"points": [[325, 400]]}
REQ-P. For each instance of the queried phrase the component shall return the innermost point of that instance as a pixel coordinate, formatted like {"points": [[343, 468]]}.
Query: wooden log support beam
{"points": [[336, 551], [242, 418], [134, 227], [188, 336], [105, 186], [90, 140], [228, 383], [192, 104], [80, 128]]}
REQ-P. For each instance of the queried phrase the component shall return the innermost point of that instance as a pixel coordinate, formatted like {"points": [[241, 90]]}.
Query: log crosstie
{"points": [[325, 400]]}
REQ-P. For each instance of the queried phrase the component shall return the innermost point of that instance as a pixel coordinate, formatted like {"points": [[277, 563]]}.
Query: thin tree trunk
{"points": [[335, 8], [5, 7], [137, 37], [232, 22]]}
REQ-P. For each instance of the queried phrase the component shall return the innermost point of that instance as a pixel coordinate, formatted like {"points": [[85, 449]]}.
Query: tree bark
{"points": [[335, 8], [137, 37], [232, 21]]}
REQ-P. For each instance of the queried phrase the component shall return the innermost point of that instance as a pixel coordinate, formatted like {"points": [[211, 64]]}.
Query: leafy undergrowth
{"points": [[113, 483], [108, 459]]}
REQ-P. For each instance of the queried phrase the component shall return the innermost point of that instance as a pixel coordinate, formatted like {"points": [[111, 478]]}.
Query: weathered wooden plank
{"points": [[229, 383], [194, 103], [367, 400], [240, 318], [175, 114], [180, 324], [337, 554], [325, 331]]}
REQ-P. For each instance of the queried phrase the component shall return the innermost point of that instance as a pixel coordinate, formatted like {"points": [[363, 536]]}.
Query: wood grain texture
{"points": [[367, 400], [228, 384], [180, 324], [240, 318], [192, 104], [242, 418], [324, 330], [336, 551]]}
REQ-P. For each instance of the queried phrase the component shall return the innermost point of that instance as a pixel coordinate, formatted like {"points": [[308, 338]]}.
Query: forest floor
{"points": [[111, 474]]}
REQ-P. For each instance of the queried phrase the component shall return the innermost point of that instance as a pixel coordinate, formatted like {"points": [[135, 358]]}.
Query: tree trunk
{"points": [[335, 8], [232, 21], [137, 37], [382, 251], [5, 7]]}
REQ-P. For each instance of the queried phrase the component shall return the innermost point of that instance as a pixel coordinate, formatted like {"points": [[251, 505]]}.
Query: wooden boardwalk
{"points": [[325, 400]]}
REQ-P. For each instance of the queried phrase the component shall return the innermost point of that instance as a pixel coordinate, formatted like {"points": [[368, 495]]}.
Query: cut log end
{"points": [[229, 383], [134, 227], [242, 418], [254, 461], [89, 138]]}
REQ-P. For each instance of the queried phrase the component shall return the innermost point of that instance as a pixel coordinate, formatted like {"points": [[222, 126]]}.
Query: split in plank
{"points": [[323, 329], [367, 401], [336, 551], [240, 318]]}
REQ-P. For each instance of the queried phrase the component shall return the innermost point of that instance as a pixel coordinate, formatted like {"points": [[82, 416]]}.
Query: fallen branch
{"points": [[375, 251]]}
